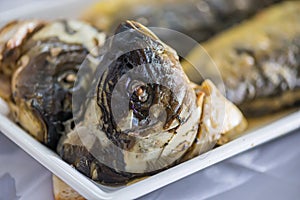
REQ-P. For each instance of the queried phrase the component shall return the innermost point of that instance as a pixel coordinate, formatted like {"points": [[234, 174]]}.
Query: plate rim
{"points": [[90, 190]]}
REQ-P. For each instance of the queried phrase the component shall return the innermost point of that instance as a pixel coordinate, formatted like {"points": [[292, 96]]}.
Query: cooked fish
{"points": [[199, 19], [259, 60], [144, 115], [39, 62], [12, 38]]}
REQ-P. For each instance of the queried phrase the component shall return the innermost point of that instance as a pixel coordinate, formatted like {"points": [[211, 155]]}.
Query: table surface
{"points": [[270, 171]]}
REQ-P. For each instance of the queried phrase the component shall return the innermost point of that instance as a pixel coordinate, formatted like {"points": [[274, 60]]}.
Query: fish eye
{"points": [[141, 93], [139, 90], [67, 79], [135, 85], [140, 101]]}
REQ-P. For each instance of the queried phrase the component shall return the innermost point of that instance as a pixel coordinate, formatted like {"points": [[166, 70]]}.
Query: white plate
{"points": [[90, 190], [277, 126]]}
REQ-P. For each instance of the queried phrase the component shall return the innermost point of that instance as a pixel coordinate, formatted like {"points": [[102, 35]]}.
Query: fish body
{"points": [[199, 19], [259, 60]]}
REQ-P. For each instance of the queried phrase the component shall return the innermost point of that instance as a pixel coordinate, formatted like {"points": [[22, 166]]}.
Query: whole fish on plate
{"points": [[38, 65], [144, 114], [199, 19], [259, 60]]}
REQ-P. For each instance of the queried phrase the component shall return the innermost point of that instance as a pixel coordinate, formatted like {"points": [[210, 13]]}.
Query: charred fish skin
{"points": [[43, 76], [49, 94], [259, 60], [114, 152], [158, 65], [147, 55], [12, 38], [140, 144], [76, 154], [199, 19]]}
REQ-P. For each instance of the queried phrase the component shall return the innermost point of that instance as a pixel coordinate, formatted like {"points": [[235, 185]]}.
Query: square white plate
{"points": [[258, 134]]}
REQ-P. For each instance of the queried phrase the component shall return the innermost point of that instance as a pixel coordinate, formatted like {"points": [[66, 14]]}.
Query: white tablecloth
{"points": [[270, 171]]}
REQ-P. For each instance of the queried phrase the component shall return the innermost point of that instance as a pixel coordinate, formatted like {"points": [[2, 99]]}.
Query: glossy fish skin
{"points": [[258, 60], [76, 154], [12, 38], [189, 118], [43, 105], [140, 143], [156, 62], [199, 19], [42, 75]]}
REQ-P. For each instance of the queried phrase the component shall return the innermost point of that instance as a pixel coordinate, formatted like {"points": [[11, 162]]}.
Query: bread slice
{"points": [[62, 191]]}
